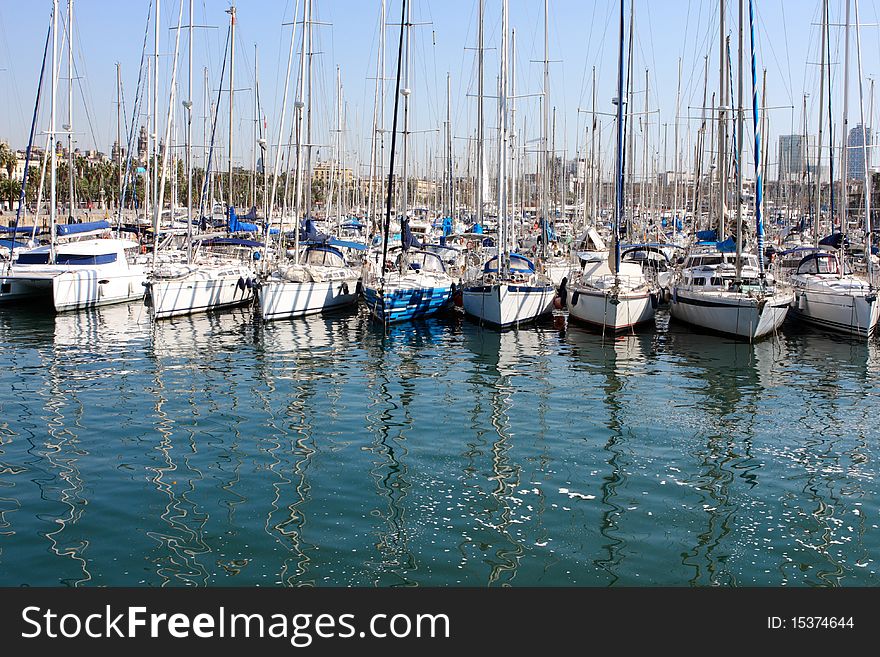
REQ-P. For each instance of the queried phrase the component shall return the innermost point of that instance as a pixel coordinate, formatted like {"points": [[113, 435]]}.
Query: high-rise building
{"points": [[855, 156], [792, 156]]}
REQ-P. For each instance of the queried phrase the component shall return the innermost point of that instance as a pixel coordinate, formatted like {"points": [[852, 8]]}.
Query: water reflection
{"points": [[393, 366], [219, 450], [612, 362]]}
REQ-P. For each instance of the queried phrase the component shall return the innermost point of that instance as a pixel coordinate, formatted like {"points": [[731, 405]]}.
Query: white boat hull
{"points": [[609, 311], [731, 313], [75, 289], [853, 313], [199, 290], [505, 304], [280, 298]]}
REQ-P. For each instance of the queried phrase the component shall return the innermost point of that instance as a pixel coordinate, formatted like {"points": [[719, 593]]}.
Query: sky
{"points": [[582, 35]]}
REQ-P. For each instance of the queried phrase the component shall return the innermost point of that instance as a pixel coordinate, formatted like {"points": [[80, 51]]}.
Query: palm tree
{"points": [[10, 189]]}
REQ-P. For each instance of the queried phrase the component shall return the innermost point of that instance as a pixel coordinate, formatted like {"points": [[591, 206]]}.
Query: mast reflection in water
{"points": [[215, 450]]}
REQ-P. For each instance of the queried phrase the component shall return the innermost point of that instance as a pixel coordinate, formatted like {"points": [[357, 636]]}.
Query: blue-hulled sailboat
{"points": [[411, 283]]}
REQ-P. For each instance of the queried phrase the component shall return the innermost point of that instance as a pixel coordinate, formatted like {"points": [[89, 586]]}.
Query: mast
{"points": [[739, 146], [404, 195], [676, 147], [208, 116], [759, 189], [818, 216], [71, 164], [253, 189], [514, 168], [188, 104], [231, 12], [390, 191], [450, 200], [844, 202], [618, 173], [157, 210], [643, 192], [722, 129], [119, 127], [545, 183], [481, 156], [154, 133], [377, 100], [700, 154], [270, 206], [308, 111], [339, 158], [595, 164], [866, 168], [305, 45], [53, 109], [503, 215]]}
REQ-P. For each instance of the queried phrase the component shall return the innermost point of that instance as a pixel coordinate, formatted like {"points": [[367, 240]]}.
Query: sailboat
{"points": [[75, 270], [414, 283], [611, 294], [826, 292], [508, 291], [726, 292], [318, 278], [218, 272]]}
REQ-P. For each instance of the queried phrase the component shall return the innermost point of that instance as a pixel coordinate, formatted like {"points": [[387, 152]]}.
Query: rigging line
{"points": [[589, 40], [763, 32], [82, 92], [787, 49], [138, 98]]}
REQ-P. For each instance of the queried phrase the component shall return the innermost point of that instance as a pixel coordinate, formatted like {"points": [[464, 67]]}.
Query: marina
{"points": [[417, 337]]}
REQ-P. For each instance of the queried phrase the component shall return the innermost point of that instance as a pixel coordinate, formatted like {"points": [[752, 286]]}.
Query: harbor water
{"points": [[217, 451]]}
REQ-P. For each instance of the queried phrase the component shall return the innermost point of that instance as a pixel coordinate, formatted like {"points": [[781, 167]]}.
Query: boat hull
{"points": [[83, 287], [504, 305], [405, 303], [279, 298], [608, 311], [854, 314], [738, 315], [199, 291]]}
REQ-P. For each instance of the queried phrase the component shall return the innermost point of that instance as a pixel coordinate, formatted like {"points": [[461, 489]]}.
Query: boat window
{"points": [[425, 261], [717, 281], [809, 266], [827, 265], [324, 258], [699, 281], [520, 265]]}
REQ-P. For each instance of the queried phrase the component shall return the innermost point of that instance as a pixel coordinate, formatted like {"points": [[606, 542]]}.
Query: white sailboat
{"points": [[826, 292], [318, 278], [72, 272], [219, 271], [610, 294], [732, 293], [508, 290]]}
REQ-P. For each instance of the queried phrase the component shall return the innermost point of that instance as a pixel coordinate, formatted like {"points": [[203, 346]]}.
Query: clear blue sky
{"points": [[583, 34]]}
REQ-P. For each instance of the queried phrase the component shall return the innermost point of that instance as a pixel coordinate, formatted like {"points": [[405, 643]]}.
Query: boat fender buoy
{"points": [[557, 303], [344, 288], [249, 283], [241, 283], [574, 298], [654, 301], [359, 290]]}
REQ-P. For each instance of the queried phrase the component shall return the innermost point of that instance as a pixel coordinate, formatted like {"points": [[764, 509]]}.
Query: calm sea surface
{"points": [[214, 450]]}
